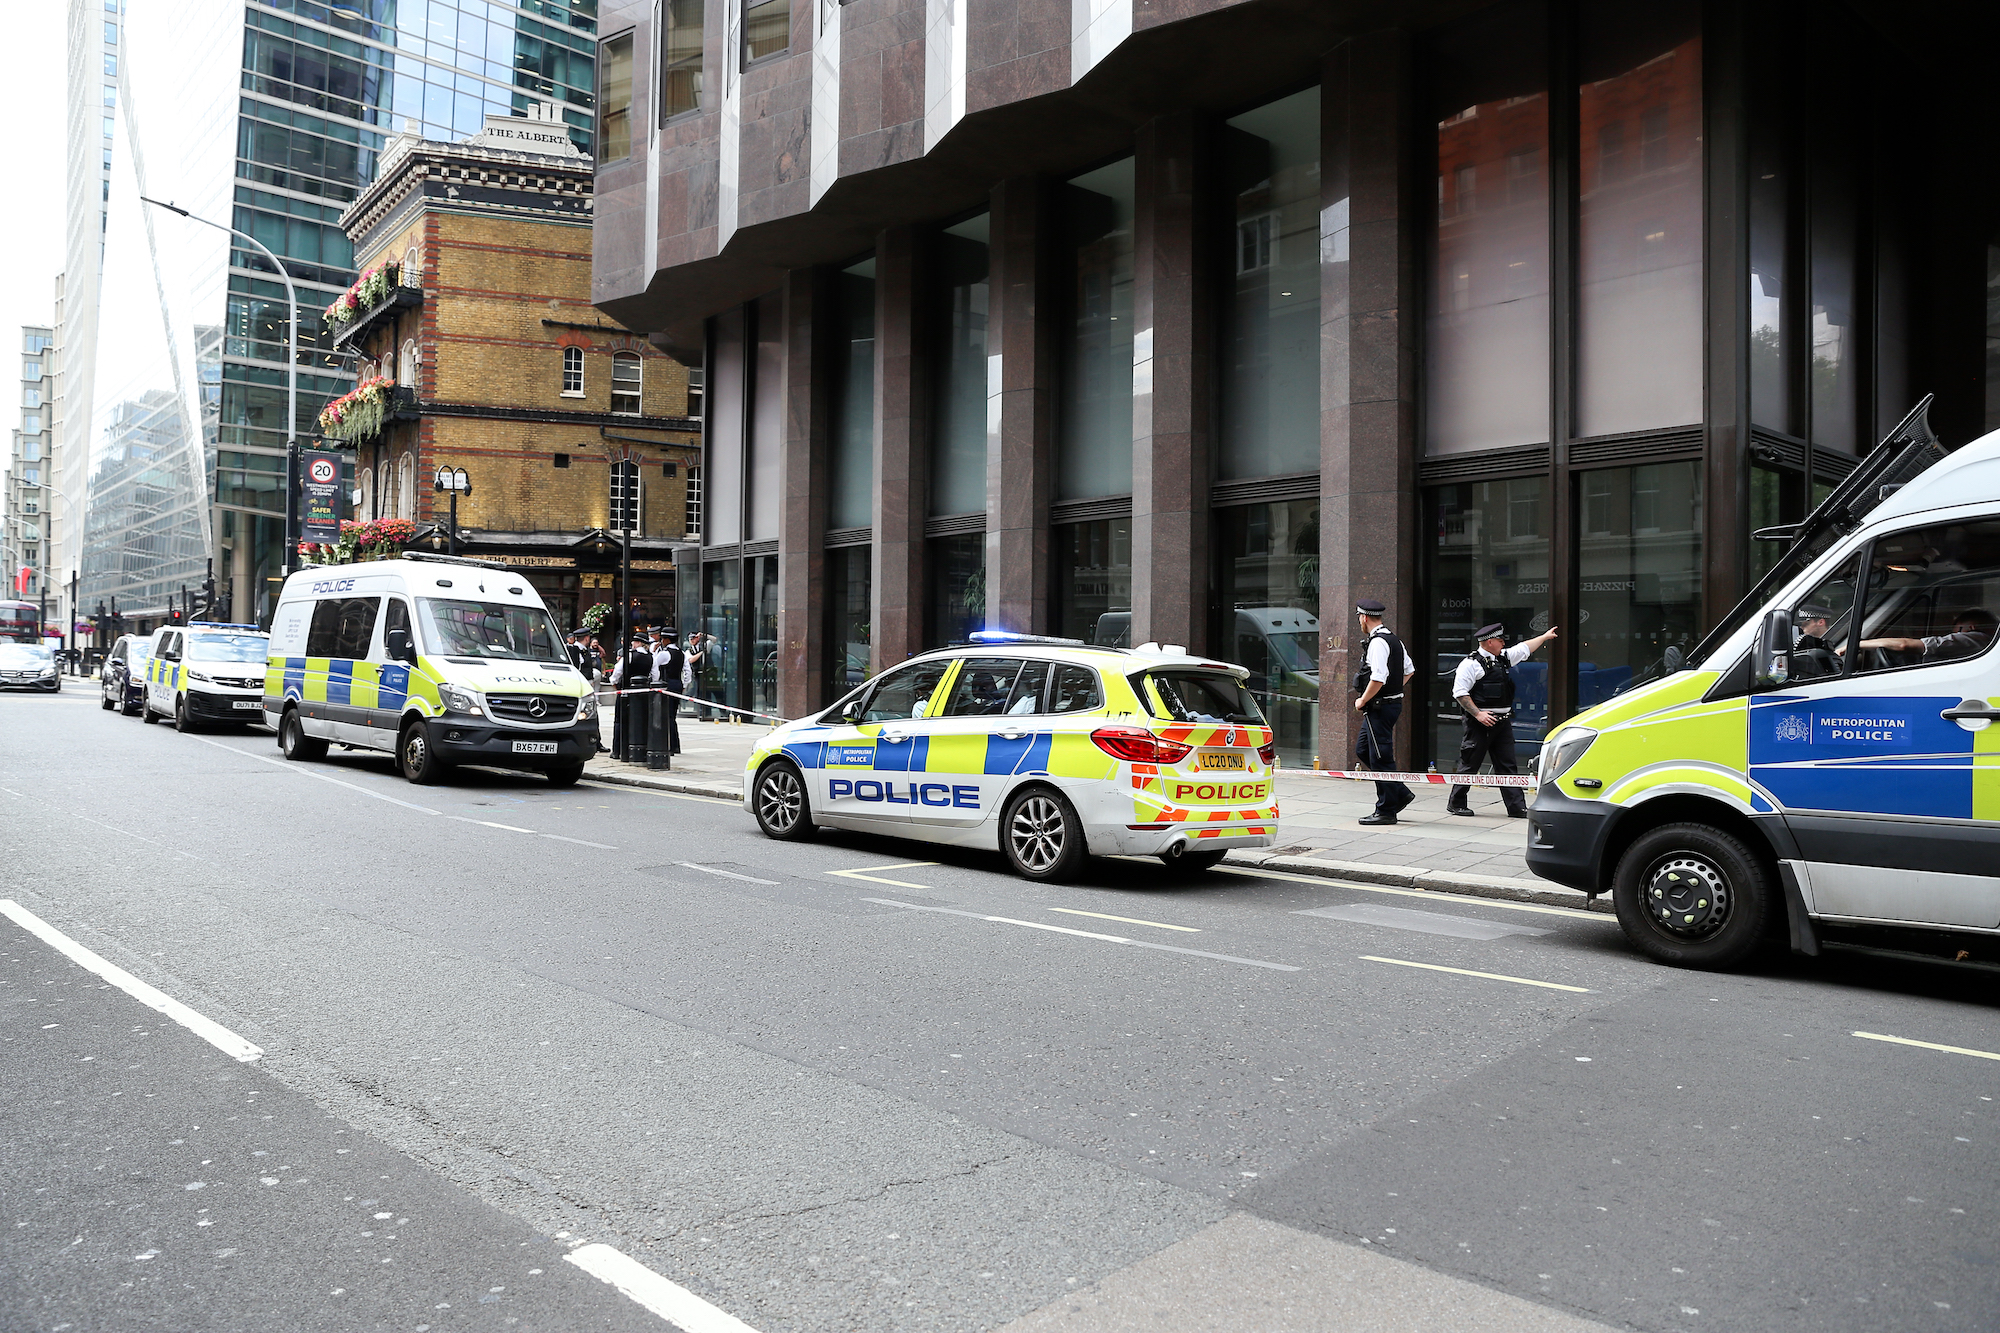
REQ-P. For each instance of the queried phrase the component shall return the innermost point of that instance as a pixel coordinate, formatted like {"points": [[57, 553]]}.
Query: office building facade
{"points": [[28, 530], [1198, 322], [270, 118]]}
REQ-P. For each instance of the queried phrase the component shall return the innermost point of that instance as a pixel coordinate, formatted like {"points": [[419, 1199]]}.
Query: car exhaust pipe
{"points": [[1175, 851]]}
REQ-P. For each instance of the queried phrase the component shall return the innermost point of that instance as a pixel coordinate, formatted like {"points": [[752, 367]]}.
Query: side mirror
{"points": [[396, 642], [1771, 656]]}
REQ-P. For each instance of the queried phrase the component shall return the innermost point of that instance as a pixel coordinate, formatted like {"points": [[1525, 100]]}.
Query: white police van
{"points": [[206, 673]]}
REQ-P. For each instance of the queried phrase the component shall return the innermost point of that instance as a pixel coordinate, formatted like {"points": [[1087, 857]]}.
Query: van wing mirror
{"points": [[397, 642], [1771, 656]]}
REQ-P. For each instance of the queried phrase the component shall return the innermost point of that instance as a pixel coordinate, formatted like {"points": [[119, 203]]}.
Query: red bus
{"points": [[20, 622]]}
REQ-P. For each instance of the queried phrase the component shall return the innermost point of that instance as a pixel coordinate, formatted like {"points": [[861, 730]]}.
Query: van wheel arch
{"points": [[1687, 808]]}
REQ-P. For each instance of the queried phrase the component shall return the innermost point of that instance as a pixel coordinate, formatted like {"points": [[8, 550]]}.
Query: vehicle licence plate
{"points": [[247, 704], [534, 747], [1222, 759]]}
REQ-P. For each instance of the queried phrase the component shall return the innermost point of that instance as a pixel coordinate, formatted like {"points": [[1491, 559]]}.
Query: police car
{"points": [[1048, 749], [205, 672]]}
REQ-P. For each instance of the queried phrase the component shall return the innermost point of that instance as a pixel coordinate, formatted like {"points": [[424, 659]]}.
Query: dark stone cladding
{"points": [[1024, 117]]}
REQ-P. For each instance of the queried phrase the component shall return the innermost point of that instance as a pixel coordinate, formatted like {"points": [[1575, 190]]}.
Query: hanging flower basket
{"points": [[594, 618], [374, 287], [369, 539], [361, 413]]}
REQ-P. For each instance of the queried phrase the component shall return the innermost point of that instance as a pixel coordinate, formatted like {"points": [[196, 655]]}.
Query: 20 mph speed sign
{"points": [[324, 470], [319, 499]]}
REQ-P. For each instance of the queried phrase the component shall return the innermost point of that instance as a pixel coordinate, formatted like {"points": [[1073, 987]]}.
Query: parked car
{"points": [[29, 666], [122, 682]]}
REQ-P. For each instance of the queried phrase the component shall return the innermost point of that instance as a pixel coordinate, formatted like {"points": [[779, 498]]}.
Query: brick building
{"points": [[486, 355]]}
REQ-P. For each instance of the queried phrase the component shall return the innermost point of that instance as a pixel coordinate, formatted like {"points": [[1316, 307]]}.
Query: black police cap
{"points": [[1485, 632], [1369, 606]]}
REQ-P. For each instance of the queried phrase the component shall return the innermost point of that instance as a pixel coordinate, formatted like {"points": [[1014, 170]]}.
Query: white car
{"points": [[1045, 748]]}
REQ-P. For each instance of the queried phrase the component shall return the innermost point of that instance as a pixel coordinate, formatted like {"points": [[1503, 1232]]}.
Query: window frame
{"points": [[572, 371], [637, 393], [605, 106], [1864, 601]]}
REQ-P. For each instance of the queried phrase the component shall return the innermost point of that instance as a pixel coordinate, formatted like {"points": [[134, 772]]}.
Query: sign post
{"points": [[319, 508]]}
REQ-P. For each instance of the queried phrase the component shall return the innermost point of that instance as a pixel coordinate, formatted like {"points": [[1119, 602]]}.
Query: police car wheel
{"points": [[779, 799], [293, 741], [1041, 835], [418, 758], [1194, 863], [1693, 896]]}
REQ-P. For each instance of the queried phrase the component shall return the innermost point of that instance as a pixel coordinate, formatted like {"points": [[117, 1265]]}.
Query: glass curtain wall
{"points": [[1490, 563], [1094, 456], [1267, 599], [1639, 532], [1094, 581], [722, 620], [1487, 326], [958, 446], [958, 588], [852, 479], [849, 585], [1270, 369], [762, 573]]}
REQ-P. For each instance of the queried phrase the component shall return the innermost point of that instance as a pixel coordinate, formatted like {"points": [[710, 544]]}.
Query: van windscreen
{"points": [[489, 629]]}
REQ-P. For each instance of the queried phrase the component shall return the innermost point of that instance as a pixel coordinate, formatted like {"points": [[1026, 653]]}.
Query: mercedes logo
{"points": [[536, 708]]}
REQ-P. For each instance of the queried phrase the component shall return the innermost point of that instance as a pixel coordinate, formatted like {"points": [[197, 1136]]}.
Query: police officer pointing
{"points": [[1484, 688]]}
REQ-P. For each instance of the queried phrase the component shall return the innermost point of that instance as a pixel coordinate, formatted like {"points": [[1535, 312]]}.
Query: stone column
{"points": [[802, 486], [1172, 386], [1020, 434], [902, 448], [1369, 520]]}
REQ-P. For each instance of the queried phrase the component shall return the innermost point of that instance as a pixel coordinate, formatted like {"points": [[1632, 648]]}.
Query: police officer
{"points": [[1484, 688], [1379, 680]]}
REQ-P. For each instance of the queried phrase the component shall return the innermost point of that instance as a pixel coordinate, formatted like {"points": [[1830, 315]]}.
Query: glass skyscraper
{"points": [[269, 117]]}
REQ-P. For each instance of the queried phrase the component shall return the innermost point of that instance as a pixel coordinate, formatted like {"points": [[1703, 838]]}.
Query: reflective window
{"points": [[1267, 601], [1639, 575], [905, 692], [680, 58], [721, 622], [1489, 562], [1074, 689], [1839, 356], [852, 467], [1093, 563], [1487, 327], [1270, 356], [627, 383], [572, 371], [1820, 623], [763, 573], [767, 419], [1639, 219], [614, 102], [958, 587], [958, 449], [848, 582], [984, 686], [1932, 596], [1094, 454], [1028, 690], [767, 28]]}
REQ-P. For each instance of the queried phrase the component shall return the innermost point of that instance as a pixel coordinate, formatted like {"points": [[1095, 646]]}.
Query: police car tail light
{"points": [[1136, 745], [1269, 753]]}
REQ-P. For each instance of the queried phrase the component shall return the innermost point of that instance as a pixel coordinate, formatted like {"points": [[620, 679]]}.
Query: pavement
{"points": [[1483, 854], [858, 1084]]}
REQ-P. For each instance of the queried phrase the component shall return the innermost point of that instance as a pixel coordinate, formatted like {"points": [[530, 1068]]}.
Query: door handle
{"points": [[891, 735], [1970, 710]]}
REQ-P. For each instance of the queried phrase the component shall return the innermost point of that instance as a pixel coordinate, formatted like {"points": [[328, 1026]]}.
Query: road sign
{"points": [[319, 507]]}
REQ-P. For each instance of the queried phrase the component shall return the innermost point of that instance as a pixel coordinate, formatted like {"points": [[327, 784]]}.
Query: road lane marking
{"points": [[1467, 972], [1129, 920], [207, 1029], [1432, 894], [582, 842], [291, 767], [877, 879], [726, 874], [1929, 1045], [655, 791], [467, 819], [1430, 923], [1084, 934], [669, 1300]]}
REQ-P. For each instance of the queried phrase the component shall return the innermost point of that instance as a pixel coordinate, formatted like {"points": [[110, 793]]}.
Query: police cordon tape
{"points": [[1440, 779]]}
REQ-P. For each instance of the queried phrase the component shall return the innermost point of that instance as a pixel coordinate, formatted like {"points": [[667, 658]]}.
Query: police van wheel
{"points": [[183, 721], [1041, 836], [780, 802], [293, 741], [418, 758], [146, 713], [1693, 896], [566, 777]]}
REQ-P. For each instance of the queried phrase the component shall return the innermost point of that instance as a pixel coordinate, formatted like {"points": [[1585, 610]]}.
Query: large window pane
{"points": [[1839, 349], [767, 28], [1490, 563], [1639, 219], [958, 451], [680, 58], [1270, 371], [958, 588], [1639, 573], [722, 618], [1773, 317], [1488, 325], [767, 420], [1094, 581], [763, 572], [1267, 600], [1095, 455], [722, 473], [615, 103], [853, 381], [848, 581]]}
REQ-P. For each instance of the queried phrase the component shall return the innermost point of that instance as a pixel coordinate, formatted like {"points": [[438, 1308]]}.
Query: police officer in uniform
{"points": [[1484, 688], [1385, 667]]}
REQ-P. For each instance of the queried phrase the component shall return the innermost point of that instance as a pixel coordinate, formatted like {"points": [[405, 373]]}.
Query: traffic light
{"points": [[174, 616], [624, 496]]}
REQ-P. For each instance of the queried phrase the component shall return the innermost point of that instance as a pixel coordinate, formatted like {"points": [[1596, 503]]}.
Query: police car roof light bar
{"points": [[431, 558], [221, 624], [1008, 636]]}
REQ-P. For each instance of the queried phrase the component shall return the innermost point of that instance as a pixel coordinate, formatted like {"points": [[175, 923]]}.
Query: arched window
{"points": [[572, 380], [364, 485], [628, 383], [413, 268], [406, 487], [384, 496], [406, 370]]}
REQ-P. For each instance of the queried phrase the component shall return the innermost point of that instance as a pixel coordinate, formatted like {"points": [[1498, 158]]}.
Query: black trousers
{"points": [[1480, 744], [1375, 748]]}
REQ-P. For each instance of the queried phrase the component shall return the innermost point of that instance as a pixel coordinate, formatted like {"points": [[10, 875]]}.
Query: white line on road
{"points": [[207, 1029], [304, 772], [1087, 934], [726, 874], [1484, 976], [668, 1300], [1471, 900], [466, 819], [1929, 1045], [1128, 920], [877, 879], [582, 842]]}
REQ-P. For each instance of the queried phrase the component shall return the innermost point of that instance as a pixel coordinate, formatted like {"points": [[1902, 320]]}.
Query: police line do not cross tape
{"points": [[1440, 779]]}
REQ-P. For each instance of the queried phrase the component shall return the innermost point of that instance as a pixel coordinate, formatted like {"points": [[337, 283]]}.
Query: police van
{"points": [[1049, 749], [1827, 766], [438, 660], [205, 673]]}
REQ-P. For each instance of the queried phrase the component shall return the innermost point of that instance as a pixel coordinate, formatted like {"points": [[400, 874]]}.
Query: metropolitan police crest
{"points": [[1794, 727]]}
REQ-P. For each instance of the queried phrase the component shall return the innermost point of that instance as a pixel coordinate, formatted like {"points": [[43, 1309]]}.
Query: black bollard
{"points": [[660, 724], [636, 738]]}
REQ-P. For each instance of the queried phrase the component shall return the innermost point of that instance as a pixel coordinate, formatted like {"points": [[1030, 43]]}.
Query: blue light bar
{"points": [[218, 624], [1008, 636]]}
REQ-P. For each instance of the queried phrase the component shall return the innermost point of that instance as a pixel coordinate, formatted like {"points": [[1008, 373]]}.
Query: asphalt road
{"points": [[826, 1089]]}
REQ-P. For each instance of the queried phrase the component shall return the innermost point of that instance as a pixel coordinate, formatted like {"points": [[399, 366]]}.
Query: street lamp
{"points": [[453, 481], [291, 382]]}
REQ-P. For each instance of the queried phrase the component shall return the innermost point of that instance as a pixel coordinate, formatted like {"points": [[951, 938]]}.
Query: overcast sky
{"points": [[31, 161]]}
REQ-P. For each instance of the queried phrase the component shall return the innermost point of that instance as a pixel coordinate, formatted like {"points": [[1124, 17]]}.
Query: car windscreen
{"points": [[489, 629], [1203, 696], [1298, 650], [18, 656], [228, 648]]}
